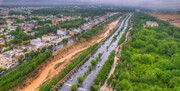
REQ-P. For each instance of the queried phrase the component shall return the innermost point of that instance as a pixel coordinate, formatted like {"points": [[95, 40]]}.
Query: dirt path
{"points": [[64, 56]]}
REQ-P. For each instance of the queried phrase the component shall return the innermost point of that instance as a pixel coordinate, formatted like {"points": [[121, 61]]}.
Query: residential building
{"points": [[61, 32], [151, 24], [1, 41], [9, 37]]}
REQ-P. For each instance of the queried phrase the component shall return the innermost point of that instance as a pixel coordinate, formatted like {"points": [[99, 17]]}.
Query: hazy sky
{"points": [[142, 3]]}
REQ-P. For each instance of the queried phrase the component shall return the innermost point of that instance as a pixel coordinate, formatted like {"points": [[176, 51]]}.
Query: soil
{"points": [[173, 18]]}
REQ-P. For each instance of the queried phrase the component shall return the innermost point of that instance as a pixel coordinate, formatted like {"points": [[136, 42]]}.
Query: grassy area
{"points": [[150, 61], [17, 75]]}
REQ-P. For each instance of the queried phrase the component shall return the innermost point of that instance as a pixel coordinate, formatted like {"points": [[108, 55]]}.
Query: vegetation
{"points": [[93, 63], [69, 11], [17, 75], [16, 13], [73, 87], [19, 36], [72, 23], [103, 73], [1, 70], [47, 86], [149, 61], [40, 31]]}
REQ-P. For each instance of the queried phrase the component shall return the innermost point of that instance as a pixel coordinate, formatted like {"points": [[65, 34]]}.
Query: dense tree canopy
{"points": [[150, 61]]}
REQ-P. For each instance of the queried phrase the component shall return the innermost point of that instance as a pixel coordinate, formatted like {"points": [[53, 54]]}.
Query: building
{"points": [[1, 41], [35, 41], [55, 22], [7, 61], [12, 28], [61, 32], [151, 24], [9, 37], [48, 38], [77, 30]]}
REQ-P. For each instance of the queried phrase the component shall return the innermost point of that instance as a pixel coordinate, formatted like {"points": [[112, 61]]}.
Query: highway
{"points": [[89, 80]]}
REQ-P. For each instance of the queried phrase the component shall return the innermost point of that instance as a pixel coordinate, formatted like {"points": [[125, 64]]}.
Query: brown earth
{"points": [[173, 18], [64, 56]]}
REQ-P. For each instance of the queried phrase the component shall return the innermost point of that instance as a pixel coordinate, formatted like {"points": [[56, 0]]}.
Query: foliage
{"points": [[72, 23], [73, 87], [19, 36], [150, 61], [80, 79], [95, 88], [1, 69], [16, 13], [40, 31], [93, 62]]}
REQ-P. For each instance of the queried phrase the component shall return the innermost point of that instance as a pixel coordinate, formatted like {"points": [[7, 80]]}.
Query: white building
{"points": [[35, 41], [48, 38], [9, 37], [61, 32], [151, 24], [77, 30], [12, 28]]}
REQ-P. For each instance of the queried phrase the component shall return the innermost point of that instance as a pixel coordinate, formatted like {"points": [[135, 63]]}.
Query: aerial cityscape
{"points": [[94, 45]]}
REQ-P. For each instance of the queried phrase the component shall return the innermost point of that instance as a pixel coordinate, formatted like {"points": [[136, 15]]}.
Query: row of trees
{"points": [[80, 79], [103, 73], [72, 23], [45, 29], [50, 84], [17, 75], [150, 60], [67, 11]]}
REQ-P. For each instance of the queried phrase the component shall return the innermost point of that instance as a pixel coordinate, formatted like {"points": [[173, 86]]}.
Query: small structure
{"points": [[1, 41], [12, 28], [48, 38], [77, 30], [35, 41], [151, 24], [61, 32], [9, 37]]}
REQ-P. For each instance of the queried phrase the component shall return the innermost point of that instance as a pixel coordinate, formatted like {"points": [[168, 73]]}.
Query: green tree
{"points": [[123, 85], [93, 62], [73, 87], [80, 79]]}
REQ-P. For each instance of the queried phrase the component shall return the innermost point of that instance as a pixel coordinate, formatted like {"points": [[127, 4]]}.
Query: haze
{"points": [[166, 4]]}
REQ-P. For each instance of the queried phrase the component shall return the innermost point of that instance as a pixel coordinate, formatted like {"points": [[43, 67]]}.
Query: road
{"points": [[102, 49]]}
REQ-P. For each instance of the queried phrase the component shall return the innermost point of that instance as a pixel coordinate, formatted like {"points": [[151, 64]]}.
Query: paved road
{"points": [[102, 49]]}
